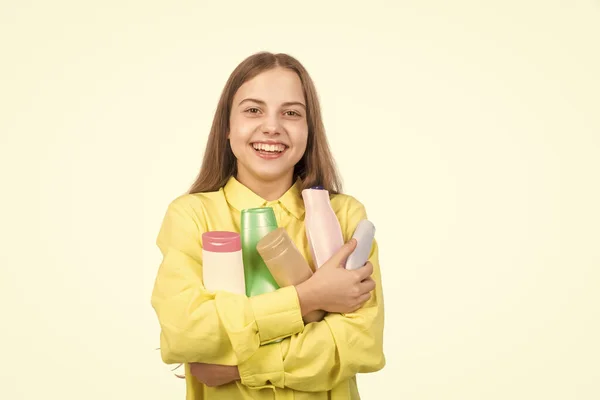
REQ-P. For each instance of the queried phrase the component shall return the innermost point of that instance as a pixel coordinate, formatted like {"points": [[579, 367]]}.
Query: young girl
{"points": [[267, 143]]}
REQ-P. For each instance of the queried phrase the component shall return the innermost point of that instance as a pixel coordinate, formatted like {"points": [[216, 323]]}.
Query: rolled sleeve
{"points": [[264, 369], [277, 314]]}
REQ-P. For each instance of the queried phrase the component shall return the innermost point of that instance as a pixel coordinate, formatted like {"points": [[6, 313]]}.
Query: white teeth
{"points": [[269, 147]]}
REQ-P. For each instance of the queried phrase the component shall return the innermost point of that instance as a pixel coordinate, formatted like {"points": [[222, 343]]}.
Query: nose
{"points": [[271, 125]]}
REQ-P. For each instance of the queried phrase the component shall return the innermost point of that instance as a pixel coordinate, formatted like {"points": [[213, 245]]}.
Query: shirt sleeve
{"points": [[197, 325], [328, 352]]}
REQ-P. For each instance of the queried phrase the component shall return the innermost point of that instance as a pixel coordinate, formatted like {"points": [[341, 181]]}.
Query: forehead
{"points": [[277, 85]]}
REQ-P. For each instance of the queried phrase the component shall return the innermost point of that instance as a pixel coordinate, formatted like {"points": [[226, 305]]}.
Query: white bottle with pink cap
{"points": [[222, 262]]}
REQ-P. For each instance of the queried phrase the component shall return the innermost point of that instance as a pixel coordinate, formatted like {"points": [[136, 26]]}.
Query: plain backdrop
{"points": [[470, 130]]}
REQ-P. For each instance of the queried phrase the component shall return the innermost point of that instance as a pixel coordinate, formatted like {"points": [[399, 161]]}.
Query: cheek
{"points": [[239, 134], [302, 140], [300, 145], [298, 134], [237, 144]]}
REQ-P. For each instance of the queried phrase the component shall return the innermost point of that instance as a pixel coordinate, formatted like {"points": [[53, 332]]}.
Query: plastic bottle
{"points": [[364, 235], [255, 224], [287, 266], [222, 263], [323, 229]]}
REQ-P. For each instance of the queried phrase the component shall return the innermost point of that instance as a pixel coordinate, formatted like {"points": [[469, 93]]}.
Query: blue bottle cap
{"points": [[318, 187]]}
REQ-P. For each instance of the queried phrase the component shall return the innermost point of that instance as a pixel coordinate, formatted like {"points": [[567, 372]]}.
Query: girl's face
{"points": [[268, 126]]}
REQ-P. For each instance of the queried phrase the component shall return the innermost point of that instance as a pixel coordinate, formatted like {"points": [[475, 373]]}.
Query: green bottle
{"points": [[255, 224]]}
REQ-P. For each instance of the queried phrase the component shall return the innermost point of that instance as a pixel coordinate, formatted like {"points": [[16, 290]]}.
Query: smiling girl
{"points": [[267, 143]]}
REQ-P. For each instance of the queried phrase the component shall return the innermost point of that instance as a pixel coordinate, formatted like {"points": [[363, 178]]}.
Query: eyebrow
{"points": [[286, 104]]}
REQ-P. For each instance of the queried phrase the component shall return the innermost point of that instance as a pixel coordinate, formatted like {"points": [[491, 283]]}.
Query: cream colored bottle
{"points": [[286, 264]]}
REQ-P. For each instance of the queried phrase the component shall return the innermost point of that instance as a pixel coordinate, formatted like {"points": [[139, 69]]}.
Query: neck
{"points": [[267, 189]]}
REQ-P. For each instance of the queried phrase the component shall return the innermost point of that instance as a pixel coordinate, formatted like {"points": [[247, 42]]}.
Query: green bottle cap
{"points": [[260, 217]]}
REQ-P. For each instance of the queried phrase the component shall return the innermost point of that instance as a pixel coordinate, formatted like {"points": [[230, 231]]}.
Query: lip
{"points": [[269, 142], [272, 156]]}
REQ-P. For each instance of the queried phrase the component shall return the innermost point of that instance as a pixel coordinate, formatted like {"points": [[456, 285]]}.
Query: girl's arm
{"points": [[328, 352], [202, 326]]}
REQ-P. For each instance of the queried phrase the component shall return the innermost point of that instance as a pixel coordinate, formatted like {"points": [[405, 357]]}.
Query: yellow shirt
{"points": [[315, 361]]}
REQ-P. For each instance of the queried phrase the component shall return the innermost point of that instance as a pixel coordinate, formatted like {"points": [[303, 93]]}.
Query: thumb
{"points": [[343, 253]]}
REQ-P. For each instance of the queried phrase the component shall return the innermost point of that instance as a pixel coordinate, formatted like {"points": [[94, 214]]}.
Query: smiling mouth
{"points": [[269, 148]]}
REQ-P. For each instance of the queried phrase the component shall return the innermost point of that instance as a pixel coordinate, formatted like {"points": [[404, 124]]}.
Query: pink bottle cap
{"points": [[221, 241]]}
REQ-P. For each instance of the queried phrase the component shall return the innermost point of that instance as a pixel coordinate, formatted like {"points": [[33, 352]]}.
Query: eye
{"points": [[253, 110], [292, 113]]}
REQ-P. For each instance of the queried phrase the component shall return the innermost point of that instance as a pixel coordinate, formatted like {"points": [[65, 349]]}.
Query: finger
{"points": [[340, 257], [361, 302], [346, 250], [365, 271], [366, 286], [364, 298]]}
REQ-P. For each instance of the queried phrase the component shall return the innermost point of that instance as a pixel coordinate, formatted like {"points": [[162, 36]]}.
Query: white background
{"points": [[470, 130]]}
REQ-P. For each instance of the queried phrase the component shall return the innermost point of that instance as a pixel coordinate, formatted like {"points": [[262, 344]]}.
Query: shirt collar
{"points": [[241, 197]]}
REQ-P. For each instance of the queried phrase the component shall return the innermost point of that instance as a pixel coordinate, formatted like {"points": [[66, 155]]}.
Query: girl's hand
{"points": [[213, 375], [333, 288]]}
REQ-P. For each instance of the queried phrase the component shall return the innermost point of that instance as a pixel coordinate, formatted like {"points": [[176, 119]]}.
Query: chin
{"points": [[270, 175], [267, 170]]}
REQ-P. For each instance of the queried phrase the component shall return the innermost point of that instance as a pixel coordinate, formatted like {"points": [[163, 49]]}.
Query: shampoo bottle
{"points": [[364, 235], [323, 229], [255, 224], [286, 264], [222, 264]]}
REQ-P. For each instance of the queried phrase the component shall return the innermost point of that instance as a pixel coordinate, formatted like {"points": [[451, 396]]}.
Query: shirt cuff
{"points": [[264, 369], [277, 314]]}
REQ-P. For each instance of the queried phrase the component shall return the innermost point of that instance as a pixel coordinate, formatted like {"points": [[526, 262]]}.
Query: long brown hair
{"points": [[317, 166]]}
